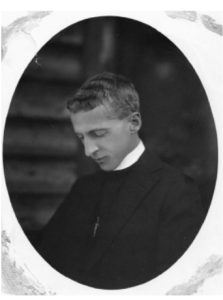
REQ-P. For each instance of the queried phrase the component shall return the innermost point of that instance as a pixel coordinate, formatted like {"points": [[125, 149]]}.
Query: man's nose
{"points": [[90, 147]]}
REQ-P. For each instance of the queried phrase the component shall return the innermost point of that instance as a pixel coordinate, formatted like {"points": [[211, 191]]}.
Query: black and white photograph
{"points": [[110, 154]]}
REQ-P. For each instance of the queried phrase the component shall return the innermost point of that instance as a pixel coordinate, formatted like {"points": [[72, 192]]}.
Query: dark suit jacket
{"points": [[156, 217]]}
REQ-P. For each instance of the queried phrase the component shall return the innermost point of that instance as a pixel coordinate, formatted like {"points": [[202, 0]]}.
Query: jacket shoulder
{"points": [[87, 180], [174, 177]]}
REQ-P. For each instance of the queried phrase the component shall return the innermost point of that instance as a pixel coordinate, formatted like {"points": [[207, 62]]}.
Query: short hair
{"points": [[115, 92]]}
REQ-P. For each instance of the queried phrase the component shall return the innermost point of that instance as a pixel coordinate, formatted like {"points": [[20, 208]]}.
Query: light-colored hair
{"points": [[115, 92]]}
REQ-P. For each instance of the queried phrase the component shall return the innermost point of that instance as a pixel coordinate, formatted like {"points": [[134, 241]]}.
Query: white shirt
{"points": [[132, 157]]}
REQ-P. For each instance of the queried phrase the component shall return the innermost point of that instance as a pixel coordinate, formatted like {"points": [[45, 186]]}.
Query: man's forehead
{"points": [[97, 118]]}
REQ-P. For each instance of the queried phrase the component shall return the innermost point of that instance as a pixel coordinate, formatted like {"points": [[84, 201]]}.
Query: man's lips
{"points": [[100, 159]]}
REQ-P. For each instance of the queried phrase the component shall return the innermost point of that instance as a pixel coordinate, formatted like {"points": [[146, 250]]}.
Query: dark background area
{"points": [[42, 156]]}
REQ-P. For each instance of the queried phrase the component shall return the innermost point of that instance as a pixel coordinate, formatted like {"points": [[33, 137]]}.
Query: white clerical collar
{"points": [[132, 157]]}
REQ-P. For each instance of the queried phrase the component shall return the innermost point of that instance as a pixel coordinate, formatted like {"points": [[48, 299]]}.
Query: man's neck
{"points": [[131, 157]]}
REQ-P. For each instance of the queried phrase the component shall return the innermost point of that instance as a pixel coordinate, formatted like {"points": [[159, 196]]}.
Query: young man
{"points": [[127, 224]]}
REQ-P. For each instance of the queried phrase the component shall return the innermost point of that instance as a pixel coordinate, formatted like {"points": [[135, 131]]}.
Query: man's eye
{"points": [[100, 133]]}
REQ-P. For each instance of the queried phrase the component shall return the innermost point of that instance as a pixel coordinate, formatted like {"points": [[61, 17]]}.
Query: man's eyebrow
{"points": [[98, 129]]}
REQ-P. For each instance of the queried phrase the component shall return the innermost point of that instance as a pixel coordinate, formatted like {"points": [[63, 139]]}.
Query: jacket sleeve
{"points": [[181, 219], [53, 233]]}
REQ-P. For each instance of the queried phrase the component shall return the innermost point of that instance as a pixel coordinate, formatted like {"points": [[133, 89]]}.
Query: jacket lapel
{"points": [[139, 182]]}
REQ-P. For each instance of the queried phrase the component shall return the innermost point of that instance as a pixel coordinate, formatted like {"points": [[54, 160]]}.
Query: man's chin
{"points": [[106, 168], [106, 164]]}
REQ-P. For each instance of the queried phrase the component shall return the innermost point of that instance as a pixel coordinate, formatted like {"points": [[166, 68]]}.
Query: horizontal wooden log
{"points": [[39, 98], [55, 66], [46, 137], [39, 176]]}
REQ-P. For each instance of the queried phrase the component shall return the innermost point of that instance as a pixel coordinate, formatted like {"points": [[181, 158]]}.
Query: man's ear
{"points": [[135, 122]]}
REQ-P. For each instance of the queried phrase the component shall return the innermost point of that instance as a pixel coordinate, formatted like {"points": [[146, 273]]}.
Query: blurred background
{"points": [[42, 156]]}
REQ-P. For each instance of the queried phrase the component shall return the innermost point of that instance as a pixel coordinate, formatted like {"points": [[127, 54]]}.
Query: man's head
{"points": [[105, 114]]}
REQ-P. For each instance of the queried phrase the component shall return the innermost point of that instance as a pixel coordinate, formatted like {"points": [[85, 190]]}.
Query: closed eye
{"points": [[100, 133], [93, 133]]}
